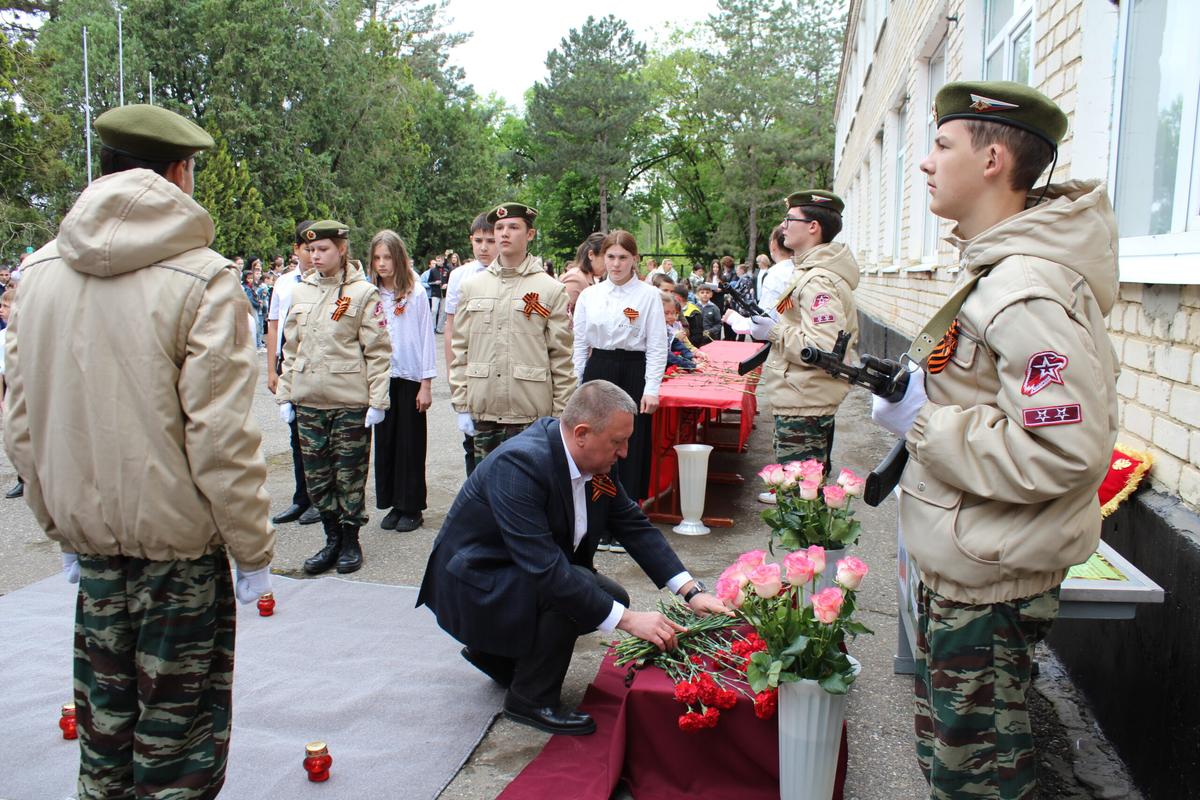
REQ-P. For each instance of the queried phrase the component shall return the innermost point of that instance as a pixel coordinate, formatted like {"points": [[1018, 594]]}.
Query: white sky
{"points": [[507, 53]]}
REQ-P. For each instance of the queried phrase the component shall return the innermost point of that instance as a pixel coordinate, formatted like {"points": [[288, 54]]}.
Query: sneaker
{"points": [[767, 497], [613, 547], [604, 546]]}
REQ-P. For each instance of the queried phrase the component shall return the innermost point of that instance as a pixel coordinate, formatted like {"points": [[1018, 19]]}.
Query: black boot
{"points": [[18, 490], [351, 558], [327, 556]]}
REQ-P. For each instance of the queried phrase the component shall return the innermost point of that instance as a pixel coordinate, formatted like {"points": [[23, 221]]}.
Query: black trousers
{"points": [[401, 441], [469, 454], [627, 369], [300, 497], [538, 676]]}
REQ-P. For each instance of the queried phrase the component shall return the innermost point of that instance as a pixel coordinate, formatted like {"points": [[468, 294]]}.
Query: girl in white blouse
{"points": [[401, 439], [619, 337]]}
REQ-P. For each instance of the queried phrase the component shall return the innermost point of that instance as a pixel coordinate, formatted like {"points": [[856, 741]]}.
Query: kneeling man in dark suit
{"points": [[511, 574]]}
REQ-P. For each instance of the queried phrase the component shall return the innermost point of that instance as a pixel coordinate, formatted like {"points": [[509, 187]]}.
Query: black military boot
{"points": [[327, 556], [351, 558]]}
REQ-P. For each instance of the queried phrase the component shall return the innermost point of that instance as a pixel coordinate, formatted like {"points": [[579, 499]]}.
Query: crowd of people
{"points": [[147, 467]]}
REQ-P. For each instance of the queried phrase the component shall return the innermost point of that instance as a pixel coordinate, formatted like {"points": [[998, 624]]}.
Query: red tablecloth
{"points": [[637, 738], [713, 388]]}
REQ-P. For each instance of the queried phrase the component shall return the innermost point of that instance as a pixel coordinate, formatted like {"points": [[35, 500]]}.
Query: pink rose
{"points": [[751, 559], [812, 469], [835, 496], [827, 604], [766, 580], [799, 568], [854, 485], [730, 591], [845, 476], [850, 572], [735, 572], [772, 474], [809, 489], [816, 554], [793, 467]]}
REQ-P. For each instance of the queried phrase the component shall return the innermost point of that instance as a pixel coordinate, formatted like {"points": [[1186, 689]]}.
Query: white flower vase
{"points": [[693, 480], [810, 735]]}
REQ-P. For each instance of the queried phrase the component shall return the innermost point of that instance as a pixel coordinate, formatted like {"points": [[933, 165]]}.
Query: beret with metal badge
{"points": [[815, 198], [1003, 102], [326, 229], [513, 211]]}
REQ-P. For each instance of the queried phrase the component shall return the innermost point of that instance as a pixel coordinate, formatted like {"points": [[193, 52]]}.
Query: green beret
{"points": [[815, 198], [512, 210], [1005, 102], [326, 229], [151, 133]]}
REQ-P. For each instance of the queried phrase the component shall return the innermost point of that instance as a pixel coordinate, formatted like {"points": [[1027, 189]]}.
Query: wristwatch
{"points": [[697, 587]]}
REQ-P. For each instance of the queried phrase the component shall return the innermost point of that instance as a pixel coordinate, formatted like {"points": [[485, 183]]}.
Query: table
{"points": [[637, 740], [689, 409]]}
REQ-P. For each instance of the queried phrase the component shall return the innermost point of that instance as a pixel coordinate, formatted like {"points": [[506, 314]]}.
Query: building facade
{"points": [[1127, 74]]}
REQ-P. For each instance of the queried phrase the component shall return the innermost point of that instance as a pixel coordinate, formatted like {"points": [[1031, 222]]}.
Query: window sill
{"points": [[1170, 258], [920, 268]]}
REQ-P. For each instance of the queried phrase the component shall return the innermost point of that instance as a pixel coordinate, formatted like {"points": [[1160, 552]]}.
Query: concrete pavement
{"points": [[882, 765]]}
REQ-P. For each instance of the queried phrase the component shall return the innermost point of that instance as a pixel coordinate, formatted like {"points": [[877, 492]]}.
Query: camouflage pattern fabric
{"points": [[153, 676], [490, 435], [336, 449], [973, 673], [801, 438]]}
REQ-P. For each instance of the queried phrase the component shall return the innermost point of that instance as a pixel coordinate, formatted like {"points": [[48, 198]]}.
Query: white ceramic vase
{"points": [[810, 734], [693, 480]]}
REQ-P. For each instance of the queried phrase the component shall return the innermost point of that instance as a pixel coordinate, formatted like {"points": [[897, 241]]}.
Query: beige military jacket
{"points": [[342, 363], [131, 373], [817, 304], [998, 498], [512, 355]]}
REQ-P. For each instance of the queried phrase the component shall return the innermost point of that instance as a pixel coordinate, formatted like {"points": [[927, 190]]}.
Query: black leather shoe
{"points": [[409, 522], [550, 719], [16, 491], [311, 516], [498, 668], [327, 556], [351, 558], [292, 514], [389, 520]]}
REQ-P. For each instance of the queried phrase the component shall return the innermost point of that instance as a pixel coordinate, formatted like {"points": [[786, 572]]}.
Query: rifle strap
{"points": [[937, 326]]}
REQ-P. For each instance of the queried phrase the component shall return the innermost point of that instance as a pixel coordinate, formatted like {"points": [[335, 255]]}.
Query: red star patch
{"points": [[1043, 369], [821, 300]]}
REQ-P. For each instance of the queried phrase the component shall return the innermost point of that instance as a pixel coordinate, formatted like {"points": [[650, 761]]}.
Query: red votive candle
{"points": [[266, 605], [67, 722], [317, 761]]}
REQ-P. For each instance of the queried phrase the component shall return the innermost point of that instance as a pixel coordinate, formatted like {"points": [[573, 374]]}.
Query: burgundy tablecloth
{"points": [[714, 387], [638, 739]]}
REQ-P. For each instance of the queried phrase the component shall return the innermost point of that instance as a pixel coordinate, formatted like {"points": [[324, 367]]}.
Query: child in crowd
{"points": [[6, 298], [710, 313], [679, 355]]}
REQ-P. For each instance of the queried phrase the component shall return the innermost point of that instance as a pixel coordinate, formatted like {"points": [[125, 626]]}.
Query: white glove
{"points": [[252, 585], [374, 417], [71, 567], [733, 319], [465, 424], [898, 417], [286, 413], [760, 327]]}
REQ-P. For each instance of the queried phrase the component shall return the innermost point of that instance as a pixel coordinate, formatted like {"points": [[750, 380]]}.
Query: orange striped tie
{"points": [[785, 305], [939, 357], [602, 485], [343, 305], [630, 313], [533, 305]]}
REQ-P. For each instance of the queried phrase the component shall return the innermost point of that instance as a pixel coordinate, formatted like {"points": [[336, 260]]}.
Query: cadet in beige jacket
{"points": [[1010, 433], [512, 339], [131, 375], [815, 305], [336, 362]]}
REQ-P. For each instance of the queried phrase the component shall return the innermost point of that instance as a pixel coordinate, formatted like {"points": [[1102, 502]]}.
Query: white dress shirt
{"points": [[600, 323], [414, 357], [454, 285], [579, 498], [774, 285], [281, 303]]}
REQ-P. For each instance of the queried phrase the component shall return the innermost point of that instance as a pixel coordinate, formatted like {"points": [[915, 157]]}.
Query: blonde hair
{"points": [[402, 263]]}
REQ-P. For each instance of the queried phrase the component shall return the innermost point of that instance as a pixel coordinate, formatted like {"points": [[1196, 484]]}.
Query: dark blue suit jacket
{"points": [[508, 540]]}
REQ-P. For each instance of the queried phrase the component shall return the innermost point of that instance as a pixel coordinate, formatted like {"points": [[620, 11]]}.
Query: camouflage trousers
{"points": [[974, 665], [153, 676], [337, 455], [490, 435], [801, 438]]}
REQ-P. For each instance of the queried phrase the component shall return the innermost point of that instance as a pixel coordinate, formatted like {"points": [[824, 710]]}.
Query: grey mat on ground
{"points": [[349, 663]]}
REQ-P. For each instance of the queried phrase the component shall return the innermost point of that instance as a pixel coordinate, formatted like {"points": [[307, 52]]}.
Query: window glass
{"points": [[1020, 71], [998, 13]]}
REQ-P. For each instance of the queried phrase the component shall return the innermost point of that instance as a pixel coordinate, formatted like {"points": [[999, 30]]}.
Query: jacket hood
{"points": [[1075, 227], [530, 265], [130, 220], [835, 257], [354, 272]]}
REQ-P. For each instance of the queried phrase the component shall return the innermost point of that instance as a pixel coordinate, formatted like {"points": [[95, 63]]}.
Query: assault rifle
{"points": [[747, 308], [883, 377]]}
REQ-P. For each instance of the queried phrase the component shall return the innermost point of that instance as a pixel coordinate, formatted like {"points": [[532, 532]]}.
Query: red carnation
{"points": [[711, 717], [726, 699], [764, 703], [690, 722], [697, 659], [686, 693], [708, 689]]}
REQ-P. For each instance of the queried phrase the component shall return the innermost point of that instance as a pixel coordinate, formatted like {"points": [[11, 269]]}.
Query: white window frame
{"points": [[1020, 21], [1174, 257], [930, 227], [899, 165]]}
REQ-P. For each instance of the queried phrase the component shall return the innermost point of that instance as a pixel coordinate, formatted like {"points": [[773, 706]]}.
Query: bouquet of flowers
{"points": [[802, 639], [808, 513]]}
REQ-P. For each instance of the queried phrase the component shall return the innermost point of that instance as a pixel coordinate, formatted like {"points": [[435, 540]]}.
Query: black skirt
{"points": [[627, 369], [400, 445]]}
